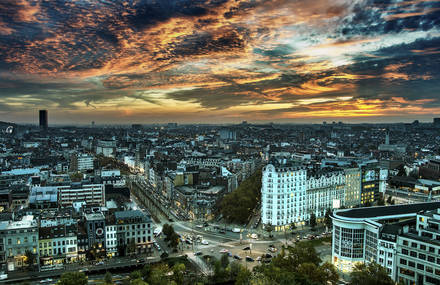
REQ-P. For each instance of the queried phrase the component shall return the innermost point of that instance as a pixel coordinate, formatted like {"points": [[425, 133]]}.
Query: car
{"points": [[141, 260], [224, 250], [47, 280], [238, 257], [100, 263], [249, 259], [198, 253], [222, 232], [205, 242], [205, 224], [267, 255], [258, 258], [3, 276], [236, 230], [188, 241], [254, 236], [199, 226], [229, 254]]}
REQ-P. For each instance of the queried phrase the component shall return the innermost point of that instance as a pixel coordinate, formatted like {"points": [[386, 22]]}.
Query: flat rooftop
{"points": [[383, 211]]}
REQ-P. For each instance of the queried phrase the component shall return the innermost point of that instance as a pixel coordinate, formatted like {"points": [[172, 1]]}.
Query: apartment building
{"points": [[134, 228], [92, 194], [17, 237], [291, 194], [283, 196]]}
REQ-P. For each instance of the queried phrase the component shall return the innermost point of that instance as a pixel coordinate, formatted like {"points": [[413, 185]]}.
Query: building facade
{"points": [[92, 194], [16, 238], [352, 187], [283, 196], [402, 238], [134, 231]]}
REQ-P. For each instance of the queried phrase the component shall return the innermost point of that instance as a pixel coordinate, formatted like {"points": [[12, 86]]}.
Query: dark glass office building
{"points": [[43, 119]]}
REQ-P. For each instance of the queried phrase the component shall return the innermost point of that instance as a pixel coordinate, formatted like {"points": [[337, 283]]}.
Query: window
{"points": [[403, 261], [423, 247], [404, 251], [414, 245], [405, 242], [420, 266], [411, 264]]}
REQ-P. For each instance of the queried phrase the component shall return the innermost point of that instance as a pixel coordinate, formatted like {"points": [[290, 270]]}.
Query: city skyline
{"points": [[219, 61]]}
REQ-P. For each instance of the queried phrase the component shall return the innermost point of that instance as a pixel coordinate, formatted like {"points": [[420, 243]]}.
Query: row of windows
{"points": [[55, 251], [419, 266], [21, 251], [47, 244], [17, 231], [420, 246], [25, 240]]}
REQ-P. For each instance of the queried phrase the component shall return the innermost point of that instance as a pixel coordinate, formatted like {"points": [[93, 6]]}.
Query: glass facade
{"points": [[349, 242], [370, 246]]}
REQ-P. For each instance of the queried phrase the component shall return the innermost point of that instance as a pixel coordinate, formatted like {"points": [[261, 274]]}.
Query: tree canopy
{"points": [[371, 273], [73, 278], [237, 206]]}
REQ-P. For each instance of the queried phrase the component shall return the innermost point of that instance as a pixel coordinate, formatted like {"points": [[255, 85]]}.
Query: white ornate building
{"points": [[291, 194]]}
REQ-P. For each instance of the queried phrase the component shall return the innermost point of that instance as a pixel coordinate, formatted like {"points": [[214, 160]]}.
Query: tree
{"points": [[138, 282], [108, 279], [159, 275], [371, 273], [224, 261], [171, 237], [312, 220], [236, 206], [327, 219], [145, 271], [295, 255], [243, 276], [269, 229], [73, 278], [30, 258], [179, 272], [292, 228], [135, 275]]}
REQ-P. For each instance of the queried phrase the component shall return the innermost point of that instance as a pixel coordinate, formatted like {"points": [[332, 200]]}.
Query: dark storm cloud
{"points": [[381, 17]]}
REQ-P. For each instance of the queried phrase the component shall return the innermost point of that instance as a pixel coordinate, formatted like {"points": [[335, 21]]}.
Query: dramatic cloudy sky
{"points": [[219, 60]]}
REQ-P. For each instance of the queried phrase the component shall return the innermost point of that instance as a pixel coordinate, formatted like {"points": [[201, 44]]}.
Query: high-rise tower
{"points": [[43, 119]]}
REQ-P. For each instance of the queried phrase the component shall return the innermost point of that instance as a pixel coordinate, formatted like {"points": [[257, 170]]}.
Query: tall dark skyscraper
{"points": [[43, 119]]}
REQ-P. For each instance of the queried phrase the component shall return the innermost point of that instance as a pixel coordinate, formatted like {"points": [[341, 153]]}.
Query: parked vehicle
{"points": [[236, 230], [198, 253], [205, 242], [249, 259], [238, 257]]}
